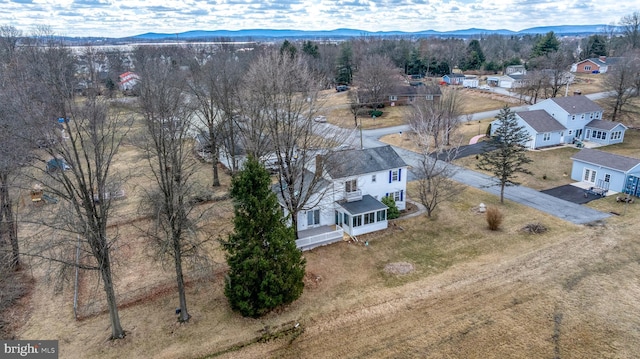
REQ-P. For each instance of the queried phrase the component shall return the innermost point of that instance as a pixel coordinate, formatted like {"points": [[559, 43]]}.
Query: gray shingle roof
{"points": [[365, 205], [603, 124], [358, 162], [541, 121], [605, 159], [576, 104]]}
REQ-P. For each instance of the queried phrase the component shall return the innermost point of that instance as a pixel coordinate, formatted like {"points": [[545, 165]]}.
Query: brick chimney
{"points": [[319, 166], [603, 58]]}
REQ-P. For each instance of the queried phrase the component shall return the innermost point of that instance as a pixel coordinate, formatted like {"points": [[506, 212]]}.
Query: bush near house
{"points": [[392, 212]]}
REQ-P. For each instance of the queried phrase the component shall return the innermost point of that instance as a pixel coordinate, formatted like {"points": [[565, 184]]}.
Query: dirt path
{"points": [[571, 299]]}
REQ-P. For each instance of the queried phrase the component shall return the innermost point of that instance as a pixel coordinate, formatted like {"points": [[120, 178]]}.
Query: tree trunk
{"points": [[216, 159], [8, 227], [502, 185], [294, 223], [177, 256], [105, 270]]}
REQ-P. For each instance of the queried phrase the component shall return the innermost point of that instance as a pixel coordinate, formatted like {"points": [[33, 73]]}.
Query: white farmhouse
{"points": [[355, 182]]}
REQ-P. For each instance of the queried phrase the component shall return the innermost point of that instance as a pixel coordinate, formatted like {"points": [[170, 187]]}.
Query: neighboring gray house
{"points": [[607, 170], [515, 69], [514, 80], [544, 130], [577, 119]]}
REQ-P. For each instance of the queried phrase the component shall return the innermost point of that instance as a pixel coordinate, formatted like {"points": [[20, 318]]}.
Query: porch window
{"points": [[346, 219], [313, 217], [382, 215], [357, 221], [351, 186], [616, 135], [369, 218], [546, 136]]}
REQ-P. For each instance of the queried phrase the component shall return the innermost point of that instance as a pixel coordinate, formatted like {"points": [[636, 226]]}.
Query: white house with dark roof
{"points": [[607, 170], [356, 181], [562, 120]]}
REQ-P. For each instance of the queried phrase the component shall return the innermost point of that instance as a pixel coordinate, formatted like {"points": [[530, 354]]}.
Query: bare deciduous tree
{"points": [[215, 85], [168, 118], [435, 168], [631, 29], [77, 170], [287, 94], [620, 80], [375, 79]]}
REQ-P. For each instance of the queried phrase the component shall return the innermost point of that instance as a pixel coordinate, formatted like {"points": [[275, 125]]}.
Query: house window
{"points": [[573, 117], [346, 219], [597, 114], [582, 117], [591, 115], [338, 218], [570, 132], [607, 177], [616, 135], [587, 68], [397, 196], [546, 136], [373, 178], [351, 185], [313, 217], [382, 215], [357, 221], [370, 218], [589, 175], [393, 98], [394, 175], [429, 97]]}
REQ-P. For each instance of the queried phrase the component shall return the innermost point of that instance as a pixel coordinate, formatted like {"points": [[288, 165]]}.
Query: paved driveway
{"points": [[572, 194]]}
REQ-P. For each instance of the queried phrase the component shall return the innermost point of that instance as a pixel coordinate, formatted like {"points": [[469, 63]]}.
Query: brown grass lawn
{"points": [[482, 293], [568, 293], [586, 84], [335, 107]]}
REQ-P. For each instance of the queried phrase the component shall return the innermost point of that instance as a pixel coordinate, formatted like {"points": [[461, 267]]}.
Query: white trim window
{"points": [[587, 68], [351, 185], [546, 136], [616, 135], [394, 175], [393, 98], [313, 217], [589, 175]]}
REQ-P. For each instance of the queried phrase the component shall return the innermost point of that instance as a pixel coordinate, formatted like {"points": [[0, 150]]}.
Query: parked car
{"points": [[321, 119], [56, 164], [341, 88], [485, 87]]}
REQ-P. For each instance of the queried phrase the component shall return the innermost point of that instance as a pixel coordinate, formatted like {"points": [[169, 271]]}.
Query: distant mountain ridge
{"points": [[563, 30]]}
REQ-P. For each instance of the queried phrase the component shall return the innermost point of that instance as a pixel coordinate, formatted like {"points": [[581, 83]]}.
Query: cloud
{"points": [[23, 1], [92, 2]]}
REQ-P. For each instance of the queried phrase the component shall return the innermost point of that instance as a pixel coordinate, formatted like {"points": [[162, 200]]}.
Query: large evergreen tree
{"points": [[474, 58], [506, 155], [266, 269], [546, 44]]}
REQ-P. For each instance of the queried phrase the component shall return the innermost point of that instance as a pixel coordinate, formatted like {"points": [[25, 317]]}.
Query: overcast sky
{"points": [[119, 18]]}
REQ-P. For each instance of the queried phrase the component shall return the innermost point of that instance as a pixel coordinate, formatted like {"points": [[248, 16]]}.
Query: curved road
{"points": [[568, 211]]}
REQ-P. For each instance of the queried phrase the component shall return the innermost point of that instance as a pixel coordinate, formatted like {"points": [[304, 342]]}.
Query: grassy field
{"points": [[570, 292], [482, 293]]}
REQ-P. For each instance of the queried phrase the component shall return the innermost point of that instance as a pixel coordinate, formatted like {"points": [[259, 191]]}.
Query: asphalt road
{"points": [[557, 207]]}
